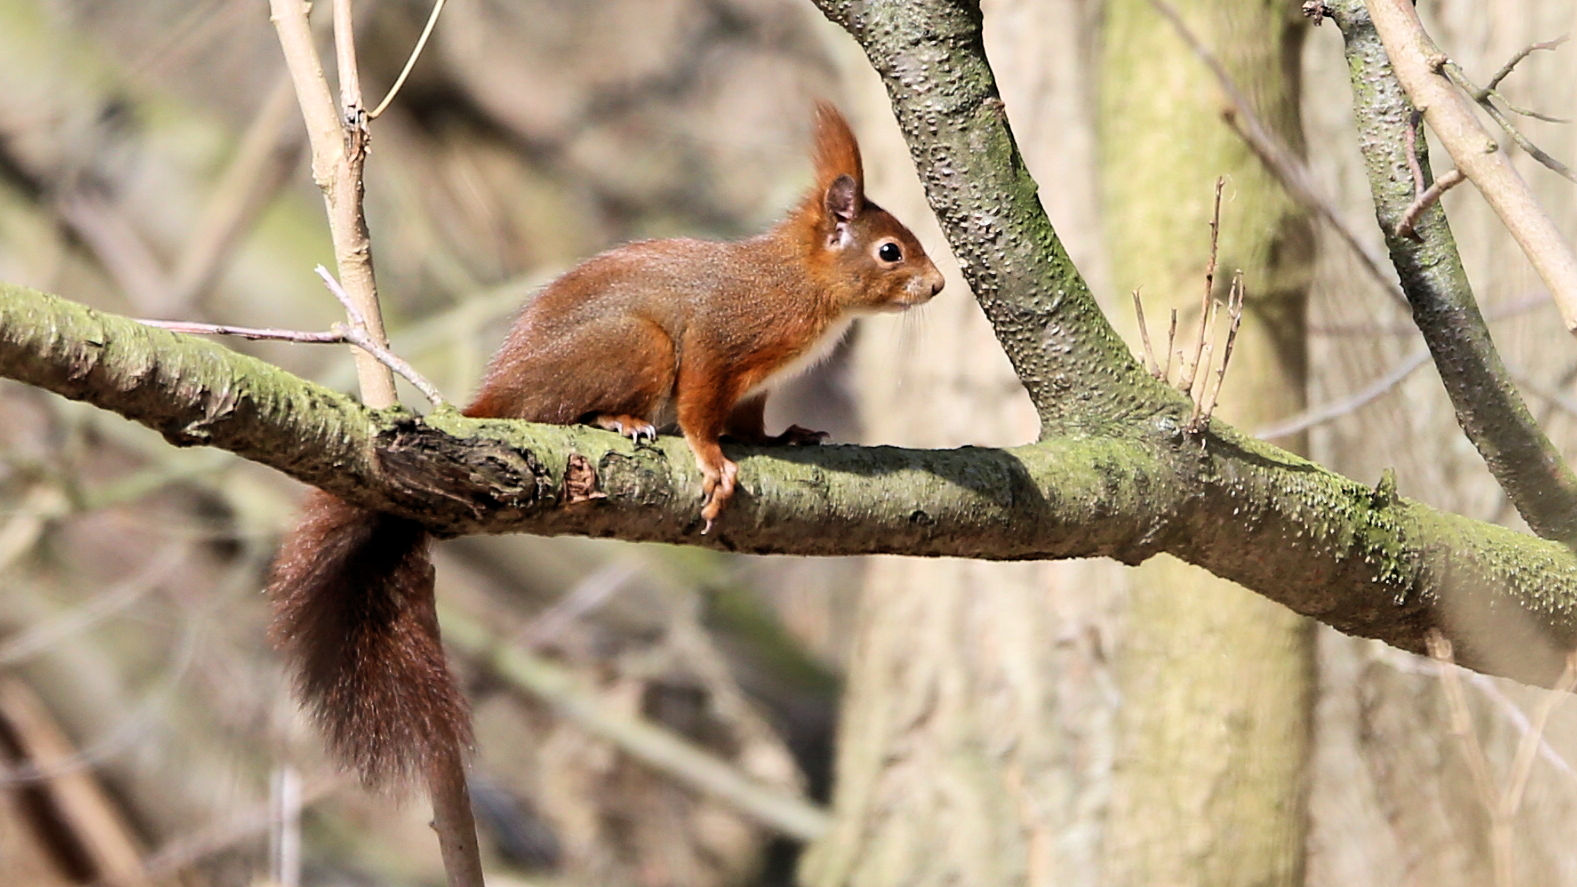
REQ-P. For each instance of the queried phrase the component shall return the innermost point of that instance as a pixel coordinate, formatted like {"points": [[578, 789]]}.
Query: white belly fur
{"points": [[817, 352]]}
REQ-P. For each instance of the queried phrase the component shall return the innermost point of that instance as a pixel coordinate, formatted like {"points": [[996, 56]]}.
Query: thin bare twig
{"points": [[1205, 407], [1171, 340], [1485, 99], [1185, 379], [1144, 337], [416, 52], [334, 337], [1337, 408], [357, 334], [1523, 53], [1448, 180]]}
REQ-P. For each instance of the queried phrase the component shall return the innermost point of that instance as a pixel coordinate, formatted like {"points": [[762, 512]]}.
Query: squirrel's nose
{"points": [[937, 280]]}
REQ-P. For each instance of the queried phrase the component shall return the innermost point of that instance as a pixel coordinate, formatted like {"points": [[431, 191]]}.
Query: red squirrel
{"points": [[631, 340]]}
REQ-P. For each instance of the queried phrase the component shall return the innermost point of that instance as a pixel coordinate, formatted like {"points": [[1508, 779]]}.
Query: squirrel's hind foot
{"points": [[632, 427]]}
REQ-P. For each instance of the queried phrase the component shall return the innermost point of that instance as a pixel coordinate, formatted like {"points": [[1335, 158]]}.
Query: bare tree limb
{"points": [[338, 152], [1362, 560]]}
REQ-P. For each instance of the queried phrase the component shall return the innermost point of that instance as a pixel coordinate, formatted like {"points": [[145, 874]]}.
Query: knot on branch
{"points": [[483, 478]]}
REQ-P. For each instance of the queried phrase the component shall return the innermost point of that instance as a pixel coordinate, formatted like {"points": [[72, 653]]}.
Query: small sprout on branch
{"points": [[1194, 377], [1203, 407], [1385, 492]]}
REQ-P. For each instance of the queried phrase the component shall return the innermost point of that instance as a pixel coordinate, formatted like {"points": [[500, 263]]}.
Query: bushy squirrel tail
{"points": [[354, 612]]}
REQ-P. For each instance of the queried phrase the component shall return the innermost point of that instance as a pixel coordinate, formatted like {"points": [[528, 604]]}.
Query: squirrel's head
{"points": [[873, 262]]}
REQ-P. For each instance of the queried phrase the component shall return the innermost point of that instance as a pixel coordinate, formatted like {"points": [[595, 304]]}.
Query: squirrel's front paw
{"points": [[716, 491]]}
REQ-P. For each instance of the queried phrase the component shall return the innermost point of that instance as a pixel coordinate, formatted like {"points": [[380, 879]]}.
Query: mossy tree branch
{"points": [[1361, 559]]}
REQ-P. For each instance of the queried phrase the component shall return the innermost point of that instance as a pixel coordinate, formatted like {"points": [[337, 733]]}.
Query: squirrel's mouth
{"points": [[900, 307]]}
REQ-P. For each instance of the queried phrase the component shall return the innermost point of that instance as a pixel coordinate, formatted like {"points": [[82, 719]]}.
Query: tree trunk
{"points": [[1216, 683]]}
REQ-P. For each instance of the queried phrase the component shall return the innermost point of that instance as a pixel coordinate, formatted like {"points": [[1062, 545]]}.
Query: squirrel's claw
{"points": [[717, 489], [633, 427]]}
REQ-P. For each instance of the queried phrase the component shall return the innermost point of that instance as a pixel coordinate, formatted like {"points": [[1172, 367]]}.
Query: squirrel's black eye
{"points": [[889, 252]]}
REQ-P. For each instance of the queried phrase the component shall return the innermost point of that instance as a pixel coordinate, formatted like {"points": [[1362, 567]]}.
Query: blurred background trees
{"points": [[1001, 723]]}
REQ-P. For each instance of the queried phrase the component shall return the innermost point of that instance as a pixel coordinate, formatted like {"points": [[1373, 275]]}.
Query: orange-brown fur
{"points": [[642, 335], [688, 328]]}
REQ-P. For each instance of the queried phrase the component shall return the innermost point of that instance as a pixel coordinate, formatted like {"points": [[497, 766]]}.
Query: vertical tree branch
{"points": [[1418, 64], [1488, 406], [339, 152], [931, 57]]}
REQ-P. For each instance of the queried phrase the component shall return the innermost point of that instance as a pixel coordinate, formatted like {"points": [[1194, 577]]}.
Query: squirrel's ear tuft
{"points": [[837, 153], [842, 200]]}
